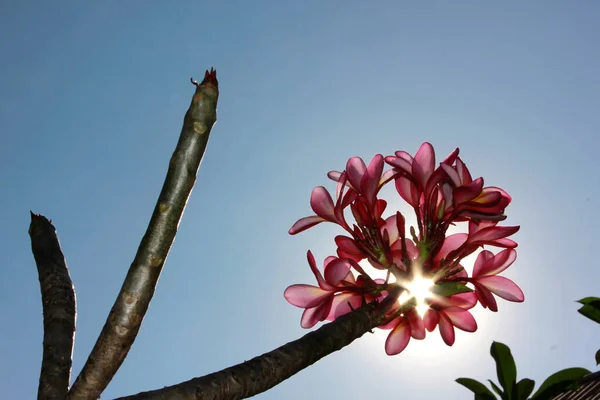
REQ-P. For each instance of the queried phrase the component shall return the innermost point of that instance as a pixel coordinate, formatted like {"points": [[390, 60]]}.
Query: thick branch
{"points": [[58, 305], [268, 370], [125, 318]]}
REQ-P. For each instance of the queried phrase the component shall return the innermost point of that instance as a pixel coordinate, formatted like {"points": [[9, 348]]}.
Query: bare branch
{"points": [[58, 305], [268, 370], [125, 318]]}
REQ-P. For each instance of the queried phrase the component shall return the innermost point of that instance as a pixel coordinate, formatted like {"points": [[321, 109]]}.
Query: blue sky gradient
{"points": [[93, 98]]}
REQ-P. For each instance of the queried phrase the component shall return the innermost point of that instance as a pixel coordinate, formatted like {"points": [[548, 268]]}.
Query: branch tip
{"points": [[210, 77]]}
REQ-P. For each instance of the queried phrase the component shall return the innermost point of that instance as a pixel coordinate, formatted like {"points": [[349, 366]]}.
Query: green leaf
{"points": [[480, 390], [445, 289], [505, 367], [598, 357], [496, 389], [590, 312], [559, 382], [523, 389], [593, 301]]}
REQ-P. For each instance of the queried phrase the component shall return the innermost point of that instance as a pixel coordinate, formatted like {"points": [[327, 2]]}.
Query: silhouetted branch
{"points": [[264, 372], [125, 318], [59, 309]]}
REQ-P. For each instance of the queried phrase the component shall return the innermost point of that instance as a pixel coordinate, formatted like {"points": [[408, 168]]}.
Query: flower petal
{"points": [[452, 174], [340, 305], [311, 316], [468, 192], [446, 329], [347, 248], [322, 204], [423, 164], [392, 228], [417, 328], [502, 287], [336, 271], [431, 319], [304, 223], [398, 339], [498, 263], [488, 235], [485, 297], [463, 171], [407, 190], [355, 169], [400, 163], [451, 243], [461, 318], [482, 259], [370, 180], [305, 296]]}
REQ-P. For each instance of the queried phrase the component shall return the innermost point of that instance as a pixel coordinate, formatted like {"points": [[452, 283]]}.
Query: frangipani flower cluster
{"points": [[437, 291]]}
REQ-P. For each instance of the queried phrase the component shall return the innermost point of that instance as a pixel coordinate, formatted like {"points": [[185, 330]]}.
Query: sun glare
{"points": [[420, 289]]}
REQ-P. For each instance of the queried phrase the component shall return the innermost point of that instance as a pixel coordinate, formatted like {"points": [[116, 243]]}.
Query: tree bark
{"points": [[125, 318], [268, 370], [58, 306]]}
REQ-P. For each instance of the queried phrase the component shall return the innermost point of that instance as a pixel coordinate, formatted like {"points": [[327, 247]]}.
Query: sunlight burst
{"points": [[420, 289]]}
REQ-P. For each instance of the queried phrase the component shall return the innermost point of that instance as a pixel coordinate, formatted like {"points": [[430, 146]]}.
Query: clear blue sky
{"points": [[93, 98]]}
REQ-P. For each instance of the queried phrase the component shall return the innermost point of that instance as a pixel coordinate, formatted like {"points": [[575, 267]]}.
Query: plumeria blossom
{"points": [[338, 291], [441, 196], [486, 279], [451, 312]]}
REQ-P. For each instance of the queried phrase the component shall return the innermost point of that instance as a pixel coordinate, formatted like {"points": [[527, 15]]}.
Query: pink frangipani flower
{"points": [[441, 196], [486, 280]]}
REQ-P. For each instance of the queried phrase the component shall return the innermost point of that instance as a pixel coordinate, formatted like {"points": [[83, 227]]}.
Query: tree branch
{"points": [[268, 370], [123, 322], [58, 305]]}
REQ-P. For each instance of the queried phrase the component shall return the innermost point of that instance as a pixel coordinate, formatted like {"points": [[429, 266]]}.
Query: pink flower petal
{"points": [[431, 319], [446, 329], [311, 316], [462, 300], [322, 204], [485, 297], [393, 323], [488, 199], [400, 163], [392, 228], [404, 155], [370, 179], [355, 169], [493, 233], [334, 175], [449, 160], [305, 296], [336, 271], [386, 177], [398, 339], [347, 248], [479, 225], [407, 190], [461, 318], [423, 164], [463, 172], [451, 243], [340, 305], [482, 259], [452, 174], [304, 223], [468, 192], [315, 270], [499, 263], [502, 287], [417, 328]]}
